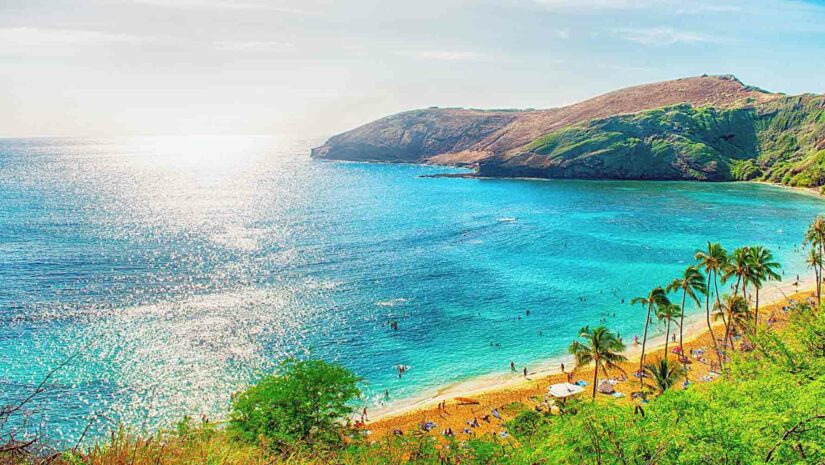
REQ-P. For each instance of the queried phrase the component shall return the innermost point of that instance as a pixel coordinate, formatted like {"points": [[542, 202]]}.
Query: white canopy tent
{"points": [[564, 390]]}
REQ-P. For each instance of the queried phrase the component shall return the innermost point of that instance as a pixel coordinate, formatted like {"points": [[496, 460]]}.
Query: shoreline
{"points": [[511, 386], [473, 174], [811, 191]]}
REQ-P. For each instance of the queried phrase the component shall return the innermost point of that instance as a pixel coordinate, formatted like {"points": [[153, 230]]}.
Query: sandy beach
{"points": [[505, 391]]}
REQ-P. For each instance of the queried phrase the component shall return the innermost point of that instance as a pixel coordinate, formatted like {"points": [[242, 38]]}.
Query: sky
{"points": [[318, 67]]}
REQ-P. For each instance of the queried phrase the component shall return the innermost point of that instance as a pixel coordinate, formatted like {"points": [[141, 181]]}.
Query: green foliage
{"points": [[303, 403], [745, 170], [526, 424], [663, 374], [778, 141]]}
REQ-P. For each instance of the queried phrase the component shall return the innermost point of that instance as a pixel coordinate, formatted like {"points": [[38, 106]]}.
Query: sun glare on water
{"points": [[210, 158]]}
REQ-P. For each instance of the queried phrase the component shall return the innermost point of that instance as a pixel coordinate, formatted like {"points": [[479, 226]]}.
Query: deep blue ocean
{"points": [[178, 269]]}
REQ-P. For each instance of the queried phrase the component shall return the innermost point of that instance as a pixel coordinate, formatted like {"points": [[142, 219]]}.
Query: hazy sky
{"points": [[107, 67]]}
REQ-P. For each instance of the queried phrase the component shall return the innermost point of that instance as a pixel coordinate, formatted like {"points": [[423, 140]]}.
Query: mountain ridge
{"points": [[698, 128]]}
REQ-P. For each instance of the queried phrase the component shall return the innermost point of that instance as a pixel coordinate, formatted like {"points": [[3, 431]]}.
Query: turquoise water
{"points": [[179, 269]]}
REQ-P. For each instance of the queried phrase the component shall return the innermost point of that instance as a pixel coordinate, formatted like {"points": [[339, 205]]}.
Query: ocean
{"points": [[173, 271]]}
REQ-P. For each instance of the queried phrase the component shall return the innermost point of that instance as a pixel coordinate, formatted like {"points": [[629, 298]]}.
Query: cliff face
{"points": [[704, 128], [415, 136]]}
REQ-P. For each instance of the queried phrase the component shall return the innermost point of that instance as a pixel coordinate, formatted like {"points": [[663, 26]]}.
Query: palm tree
{"points": [[691, 283], [739, 265], [668, 313], [764, 269], [815, 261], [657, 297], [815, 235], [737, 312], [663, 374], [601, 347], [714, 260]]}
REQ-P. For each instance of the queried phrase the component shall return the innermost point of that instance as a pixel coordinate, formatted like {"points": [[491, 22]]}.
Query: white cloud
{"points": [[252, 47], [444, 55], [698, 8], [221, 5], [662, 36], [593, 6], [34, 37], [677, 7]]}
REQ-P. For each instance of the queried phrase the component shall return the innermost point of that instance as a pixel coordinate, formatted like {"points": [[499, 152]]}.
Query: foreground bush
{"points": [[303, 403]]}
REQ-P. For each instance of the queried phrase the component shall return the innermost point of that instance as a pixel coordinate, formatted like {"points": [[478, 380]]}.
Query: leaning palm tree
{"points": [[656, 298], [737, 313], [815, 235], [601, 347], [692, 284], [763, 269], [668, 314], [663, 374], [714, 260]]}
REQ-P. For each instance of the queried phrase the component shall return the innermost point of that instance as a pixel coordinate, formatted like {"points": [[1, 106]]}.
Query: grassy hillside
{"points": [[668, 142], [792, 141], [782, 140]]}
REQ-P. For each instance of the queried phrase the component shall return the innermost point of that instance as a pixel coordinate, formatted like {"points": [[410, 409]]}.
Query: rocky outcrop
{"points": [[415, 136]]}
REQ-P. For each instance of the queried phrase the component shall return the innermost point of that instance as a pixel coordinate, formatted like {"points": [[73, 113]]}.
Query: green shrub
{"points": [[303, 403], [526, 424]]}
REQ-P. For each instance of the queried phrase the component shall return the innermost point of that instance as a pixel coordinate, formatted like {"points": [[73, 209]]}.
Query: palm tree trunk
{"points": [[721, 312], [718, 301], [819, 278], [756, 312], [595, 377], [707, 315], [667, 336], [644, 341], [682, 323]]}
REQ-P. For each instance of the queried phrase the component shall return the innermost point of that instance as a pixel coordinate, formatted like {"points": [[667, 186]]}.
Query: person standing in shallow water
{"points": [[525, 372], [512, 366]]}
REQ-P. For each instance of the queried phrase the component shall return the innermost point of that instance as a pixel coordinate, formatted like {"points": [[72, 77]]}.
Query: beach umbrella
{"points": [[606, 387]]}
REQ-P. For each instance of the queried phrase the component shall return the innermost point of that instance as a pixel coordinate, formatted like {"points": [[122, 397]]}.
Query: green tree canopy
{"points": [[303, 403]]}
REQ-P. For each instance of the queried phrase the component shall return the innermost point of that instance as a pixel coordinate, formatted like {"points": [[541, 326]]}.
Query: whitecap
{"points": [[392, 302]]}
